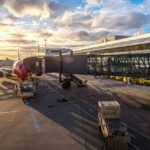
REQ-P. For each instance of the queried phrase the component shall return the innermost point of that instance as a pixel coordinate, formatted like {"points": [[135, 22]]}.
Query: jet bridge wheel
{"points": [[66, 85]]}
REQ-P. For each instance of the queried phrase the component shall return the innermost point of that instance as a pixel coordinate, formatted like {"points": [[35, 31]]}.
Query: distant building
{"points": [[55, 51], [6, 63], [112, 38], [140, 43]]}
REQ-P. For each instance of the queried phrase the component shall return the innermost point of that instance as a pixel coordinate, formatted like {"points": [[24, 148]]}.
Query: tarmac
{"points": [[60, 119]]}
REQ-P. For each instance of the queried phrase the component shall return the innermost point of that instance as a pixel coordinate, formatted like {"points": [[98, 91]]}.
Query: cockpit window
{"points": [[23, 67]]}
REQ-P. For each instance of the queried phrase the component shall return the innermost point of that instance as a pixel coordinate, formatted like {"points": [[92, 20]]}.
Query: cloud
{"points": [[85, 24], [17, 35], [2, 1], [103, 3], [27, 48], [74, 19], [11, 18], [100, 19], [19, 8], [131, 20], [35, 23], [105, 16], [67, 33], [21, 41], [5, 26], [88, 36], [44, 33], [92, 2], [38, 8], [57, 8]]}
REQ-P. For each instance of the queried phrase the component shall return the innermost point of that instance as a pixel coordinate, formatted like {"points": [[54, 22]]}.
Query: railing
{"points": [[134, 65]]}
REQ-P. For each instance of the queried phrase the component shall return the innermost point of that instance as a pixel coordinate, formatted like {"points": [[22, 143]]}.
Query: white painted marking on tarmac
{"points": [[75, 104], [105, 91], [133, 136], [5, 96], [86, 112], [91, 110], [10, 112], [66, 97], [134, 146], [35, 122], [96, 118], [145, 136], [43, 89]]}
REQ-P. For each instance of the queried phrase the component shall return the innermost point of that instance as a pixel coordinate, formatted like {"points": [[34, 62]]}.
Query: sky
{"points": [[25, 24]]}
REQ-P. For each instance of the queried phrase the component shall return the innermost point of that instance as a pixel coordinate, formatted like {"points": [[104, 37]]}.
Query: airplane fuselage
{"points": [[21, 69]]}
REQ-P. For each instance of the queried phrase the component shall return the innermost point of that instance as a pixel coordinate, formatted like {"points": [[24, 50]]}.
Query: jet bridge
{"points": [[69, 64], [131, 65]]}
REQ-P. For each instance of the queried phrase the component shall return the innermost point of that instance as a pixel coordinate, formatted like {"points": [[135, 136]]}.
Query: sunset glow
{"points": [[24, 24]]}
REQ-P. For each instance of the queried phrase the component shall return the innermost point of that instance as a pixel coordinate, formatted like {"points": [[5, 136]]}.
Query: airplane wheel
{"points": [[66, 85], [100, 130]]}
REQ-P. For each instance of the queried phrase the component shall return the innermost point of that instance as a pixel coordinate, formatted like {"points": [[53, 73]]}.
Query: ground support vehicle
{"points": [[113, 130], [26, 89]]}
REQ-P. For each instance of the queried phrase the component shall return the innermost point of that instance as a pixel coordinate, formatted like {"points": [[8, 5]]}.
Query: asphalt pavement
{"points": [[59, 119]]}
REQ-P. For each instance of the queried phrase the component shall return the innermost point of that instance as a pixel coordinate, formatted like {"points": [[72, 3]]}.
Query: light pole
{"points": [[18, 52], [35, 51], [38, 48], [45, 45]]}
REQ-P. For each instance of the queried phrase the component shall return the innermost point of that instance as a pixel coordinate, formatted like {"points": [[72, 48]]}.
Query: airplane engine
{"points": [[2, 74]]}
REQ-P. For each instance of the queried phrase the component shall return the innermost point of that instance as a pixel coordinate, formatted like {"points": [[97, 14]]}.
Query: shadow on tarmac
{"points": [[69, 115]]}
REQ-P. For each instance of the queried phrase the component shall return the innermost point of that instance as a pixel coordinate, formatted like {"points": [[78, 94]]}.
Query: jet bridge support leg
{"points": [[72, 78], [61, 66], [69, 77]]}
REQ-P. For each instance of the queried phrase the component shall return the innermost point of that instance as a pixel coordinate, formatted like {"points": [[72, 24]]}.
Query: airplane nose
{"points": [[24, 72]]}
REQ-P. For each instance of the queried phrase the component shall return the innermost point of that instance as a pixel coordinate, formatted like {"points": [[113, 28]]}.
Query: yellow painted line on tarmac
{"points": [[15, 111]]}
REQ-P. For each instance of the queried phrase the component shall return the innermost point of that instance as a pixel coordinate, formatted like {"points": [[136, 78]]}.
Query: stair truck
{"points": [[114, 131]]}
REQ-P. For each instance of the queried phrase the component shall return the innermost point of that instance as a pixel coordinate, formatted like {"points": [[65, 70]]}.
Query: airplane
{"points": [[20, 69], [26, 83]]}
